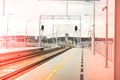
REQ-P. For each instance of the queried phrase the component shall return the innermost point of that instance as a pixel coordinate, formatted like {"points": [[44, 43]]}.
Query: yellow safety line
{"points": [[57, 67]]}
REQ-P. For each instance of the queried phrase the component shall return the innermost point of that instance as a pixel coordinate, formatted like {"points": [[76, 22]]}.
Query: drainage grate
{"points": [[81, 65], [81, 77], [82, 69]]}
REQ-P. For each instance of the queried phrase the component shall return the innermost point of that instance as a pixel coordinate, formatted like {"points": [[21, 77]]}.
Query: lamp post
{"points": [[57, 36], [53, 30], [8, 16], [93, 29], [26, 33], [53, 33], [93, 37], [41, 28], [80, 30], [89, 31], [106, 39], [89, 35], [39, 43]]}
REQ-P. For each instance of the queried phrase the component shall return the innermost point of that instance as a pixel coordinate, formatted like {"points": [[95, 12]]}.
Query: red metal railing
{"points": [[100, 48]]}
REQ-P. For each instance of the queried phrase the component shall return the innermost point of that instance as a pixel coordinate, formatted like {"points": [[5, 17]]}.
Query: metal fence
{"points": [[100, 48]]}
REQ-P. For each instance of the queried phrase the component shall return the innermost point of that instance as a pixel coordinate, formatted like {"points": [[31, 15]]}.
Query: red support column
{"points": [[106, 54], [117, 41]]}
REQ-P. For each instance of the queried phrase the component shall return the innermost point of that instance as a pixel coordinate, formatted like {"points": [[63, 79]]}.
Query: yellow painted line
{"points": [[58, 67]]}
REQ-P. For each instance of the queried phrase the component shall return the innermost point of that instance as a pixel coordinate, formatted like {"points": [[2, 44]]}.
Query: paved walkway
{"points": [[94, 67], [63, 67]]}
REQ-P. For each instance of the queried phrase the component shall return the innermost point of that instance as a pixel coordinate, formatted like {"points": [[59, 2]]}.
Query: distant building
{"points": [[66, 37]]}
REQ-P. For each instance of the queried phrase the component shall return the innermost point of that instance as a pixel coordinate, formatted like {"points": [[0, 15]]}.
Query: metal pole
{"points": [[7, 30], [93, 38], [26, 35], [57, 36], [8, 16], [80, 30], [53, 31], [3, 7], [90, 33], [39, 44], [106, 60]]}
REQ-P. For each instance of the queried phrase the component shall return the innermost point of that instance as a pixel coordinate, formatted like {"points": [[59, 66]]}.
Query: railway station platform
{"points": [[8, 50], [74, 64], [4, 50]]}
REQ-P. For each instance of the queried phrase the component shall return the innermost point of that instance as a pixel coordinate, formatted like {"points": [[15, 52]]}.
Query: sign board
{"points": [[82, 0], [85, 0]]}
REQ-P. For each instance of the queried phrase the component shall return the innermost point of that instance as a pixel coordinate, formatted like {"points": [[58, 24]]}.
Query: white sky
{"points": [[26, 12]]}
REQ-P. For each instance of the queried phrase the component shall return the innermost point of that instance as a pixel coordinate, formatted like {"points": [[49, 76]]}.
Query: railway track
{"points": [[14, 68], [6, 62]]}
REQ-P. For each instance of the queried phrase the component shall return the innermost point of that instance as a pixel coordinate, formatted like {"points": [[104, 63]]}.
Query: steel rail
{"points": [[25, 69]]}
